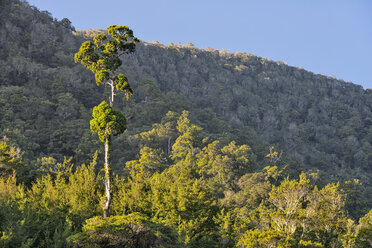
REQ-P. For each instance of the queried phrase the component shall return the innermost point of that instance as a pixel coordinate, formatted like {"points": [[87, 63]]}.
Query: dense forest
{"points": [[221, 150]]}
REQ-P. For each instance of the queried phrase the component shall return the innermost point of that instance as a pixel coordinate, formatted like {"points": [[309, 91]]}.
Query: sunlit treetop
{"points": [[102, 56]]}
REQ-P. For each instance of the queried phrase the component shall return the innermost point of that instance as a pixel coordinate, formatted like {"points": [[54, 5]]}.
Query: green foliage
{"points": [[190, 178], [134, 230], [46, 99], [10, 159], [107, 121], [50, 165], [123, 85], [102, 56], [53, 208], [84, 193], [12, 197], [255, 238], [364, 236], [355, 203], [303, 243], [189, 140], [224, 166], [301, 215], [151, 160], [210, 197]]}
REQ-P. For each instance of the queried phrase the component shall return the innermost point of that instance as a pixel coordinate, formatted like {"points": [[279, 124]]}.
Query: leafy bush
{"points": [[134, 230]]}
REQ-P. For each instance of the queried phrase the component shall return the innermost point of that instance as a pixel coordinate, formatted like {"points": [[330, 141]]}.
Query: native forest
{"points": [[111, 141]]}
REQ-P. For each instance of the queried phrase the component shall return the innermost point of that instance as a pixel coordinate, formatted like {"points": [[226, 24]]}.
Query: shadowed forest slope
{"points": [[46, 99]]}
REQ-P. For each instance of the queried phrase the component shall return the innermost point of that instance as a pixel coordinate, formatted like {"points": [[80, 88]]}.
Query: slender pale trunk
{"points": [[106, 206], [112, 93]]}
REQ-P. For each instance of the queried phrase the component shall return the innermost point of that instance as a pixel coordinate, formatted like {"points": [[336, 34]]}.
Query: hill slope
{"points": [[322, 121], [46, 99]]}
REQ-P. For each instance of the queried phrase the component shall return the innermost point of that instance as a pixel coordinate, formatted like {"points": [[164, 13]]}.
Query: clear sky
{"points": [[332, 37]]}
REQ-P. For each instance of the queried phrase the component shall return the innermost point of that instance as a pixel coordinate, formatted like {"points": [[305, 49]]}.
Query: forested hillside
{"points": [[318, 121], [216, 142]]}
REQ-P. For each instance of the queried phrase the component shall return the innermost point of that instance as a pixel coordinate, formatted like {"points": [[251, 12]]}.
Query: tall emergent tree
{"points": [[102, 57]]}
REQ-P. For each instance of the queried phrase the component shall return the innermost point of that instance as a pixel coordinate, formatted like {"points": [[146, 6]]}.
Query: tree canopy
{"points": [[102, 56], [107, 121]]}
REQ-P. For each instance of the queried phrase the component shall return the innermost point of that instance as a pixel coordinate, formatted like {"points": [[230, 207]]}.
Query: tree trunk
{"points": [[112, 93], [106, 206]]}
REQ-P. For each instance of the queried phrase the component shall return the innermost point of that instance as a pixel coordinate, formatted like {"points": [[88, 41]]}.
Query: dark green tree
{"points": [[102, 57]]}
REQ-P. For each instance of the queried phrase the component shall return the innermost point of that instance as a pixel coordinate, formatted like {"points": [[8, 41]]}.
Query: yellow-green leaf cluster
{"points": [[107, 121]]}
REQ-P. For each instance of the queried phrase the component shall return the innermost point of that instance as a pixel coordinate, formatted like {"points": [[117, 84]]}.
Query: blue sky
{"points": [[332, 37]]}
